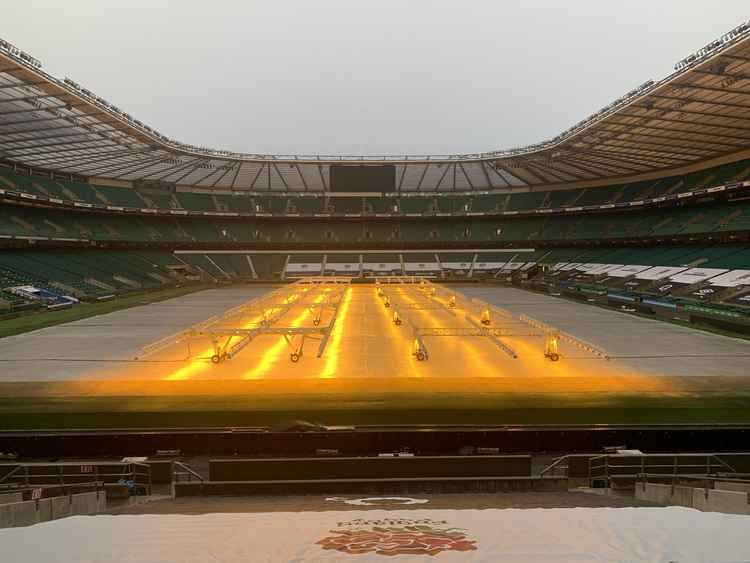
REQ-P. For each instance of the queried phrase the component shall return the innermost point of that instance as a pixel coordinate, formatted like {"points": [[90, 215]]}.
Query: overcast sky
{"points": [[355, 77]]}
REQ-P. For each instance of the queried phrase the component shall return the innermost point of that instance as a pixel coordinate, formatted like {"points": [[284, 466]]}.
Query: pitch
{"points": [[157, 364], [365, 342]]}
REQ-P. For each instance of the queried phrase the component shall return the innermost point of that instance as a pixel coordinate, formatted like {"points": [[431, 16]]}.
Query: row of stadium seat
{"points": [[46, 223], [92, 274], [76, 191], [85, 274]]}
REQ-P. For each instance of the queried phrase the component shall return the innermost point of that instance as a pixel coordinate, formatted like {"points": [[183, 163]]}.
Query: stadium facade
{"points": [[647, 199]]}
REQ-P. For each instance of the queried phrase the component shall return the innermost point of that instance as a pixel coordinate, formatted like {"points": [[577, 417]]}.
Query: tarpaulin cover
{"points": [[563, 534]]}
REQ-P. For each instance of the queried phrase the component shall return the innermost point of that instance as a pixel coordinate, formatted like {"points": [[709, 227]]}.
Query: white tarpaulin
{"points": [[466, 266], [602, 269], [488, 265], [588, 266], [382, 266], [627, 270], [421, 266], [352, 267], [659, 272], [529, 536], [512, 266], [695, 275], [307, 268], [734, 278]]}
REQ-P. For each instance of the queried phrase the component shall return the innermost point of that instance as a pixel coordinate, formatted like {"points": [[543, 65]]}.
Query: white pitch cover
{"points": [[695, 275], [421, 266], [456, 265], [570, 266], [487, 265], [375, 536], [733, 278], [381, 266], [603, 269], [627, 270], [342, 266], [307, 268], [512, 266], [659, 272]]}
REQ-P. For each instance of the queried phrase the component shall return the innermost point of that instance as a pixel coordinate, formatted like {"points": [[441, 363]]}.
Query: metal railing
{"points": [[52, 491], [184, 473], [708, 481], [558, 468], [108, 474], [623, 470]]}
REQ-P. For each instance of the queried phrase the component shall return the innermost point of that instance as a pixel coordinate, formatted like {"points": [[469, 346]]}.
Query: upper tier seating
{"points": [[518, 201]]}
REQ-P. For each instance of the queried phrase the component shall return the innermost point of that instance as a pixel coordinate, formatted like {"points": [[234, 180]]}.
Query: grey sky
{"points": [[354, 77]]}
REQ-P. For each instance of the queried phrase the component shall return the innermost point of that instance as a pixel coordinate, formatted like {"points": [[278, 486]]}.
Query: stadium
{"points": [[188, 330]]}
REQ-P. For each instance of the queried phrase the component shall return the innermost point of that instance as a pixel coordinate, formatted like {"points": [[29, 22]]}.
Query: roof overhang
{"points": [[700, 114]]}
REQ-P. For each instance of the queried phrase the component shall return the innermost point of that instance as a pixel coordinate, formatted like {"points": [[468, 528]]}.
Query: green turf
{"points": [[36, 320], [176, 412]]}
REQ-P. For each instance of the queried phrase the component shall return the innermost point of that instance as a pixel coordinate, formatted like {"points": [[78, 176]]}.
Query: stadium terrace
{"points": [[389, 355]]}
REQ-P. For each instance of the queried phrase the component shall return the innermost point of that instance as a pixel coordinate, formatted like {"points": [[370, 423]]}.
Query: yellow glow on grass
{"points": [[270, 356], [334, 346], [199, 364], [478, 365], [402, 336]]}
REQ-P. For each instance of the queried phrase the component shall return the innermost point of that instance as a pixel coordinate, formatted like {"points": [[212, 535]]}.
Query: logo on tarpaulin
{"points": [[397, 536]]}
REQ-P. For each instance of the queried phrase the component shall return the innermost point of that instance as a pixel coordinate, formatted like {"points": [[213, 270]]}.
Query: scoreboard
{"points": [[363, 178]]}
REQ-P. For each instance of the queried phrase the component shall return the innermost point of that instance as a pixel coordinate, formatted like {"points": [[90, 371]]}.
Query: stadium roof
{"points": [[698, 115]]}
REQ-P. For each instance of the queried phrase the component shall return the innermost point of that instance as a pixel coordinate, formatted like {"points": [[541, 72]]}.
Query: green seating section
{"points": [[121, 197], [196, 201], [94, 273], [308, 205], [346, 205], [42, 223], [86, 274], [342, 258], [414, 204], [526, 200], [727, 256], [454, 204]]}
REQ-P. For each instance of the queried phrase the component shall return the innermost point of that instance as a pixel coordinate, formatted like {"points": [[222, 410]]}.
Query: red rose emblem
{"points": [[414, 540]]}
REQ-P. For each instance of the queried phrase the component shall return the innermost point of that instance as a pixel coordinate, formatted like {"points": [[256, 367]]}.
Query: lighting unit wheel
{"points": [[215, 359], [294, 356], [554, 357], [316, 322], [397, 322], [421, 356], [387, 305]]}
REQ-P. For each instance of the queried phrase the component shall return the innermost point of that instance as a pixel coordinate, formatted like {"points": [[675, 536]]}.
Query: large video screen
{"points": [[359, 178]]}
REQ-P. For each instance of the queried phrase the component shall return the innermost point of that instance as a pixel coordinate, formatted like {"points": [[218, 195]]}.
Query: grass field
{"points": [[373, 378], [42, 319], [466, 401]]}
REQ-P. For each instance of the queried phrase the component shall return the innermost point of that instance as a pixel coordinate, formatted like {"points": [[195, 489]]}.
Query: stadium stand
{"points": [[559, 214], [26, 222], [70, 191]]}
